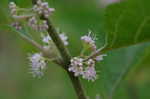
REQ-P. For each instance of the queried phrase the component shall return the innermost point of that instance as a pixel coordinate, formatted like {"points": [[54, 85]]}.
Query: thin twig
{"points": [[93, 55], [96, 53], [37, 45]]}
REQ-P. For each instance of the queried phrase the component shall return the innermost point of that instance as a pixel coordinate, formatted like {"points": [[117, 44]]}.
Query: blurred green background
{"points": [[75, 18]]}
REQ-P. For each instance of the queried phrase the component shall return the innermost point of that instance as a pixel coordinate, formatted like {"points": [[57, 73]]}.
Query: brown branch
{"points": [[65, 56]]}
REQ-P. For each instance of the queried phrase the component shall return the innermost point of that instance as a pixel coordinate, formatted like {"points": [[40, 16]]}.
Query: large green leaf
{"points": [[127, 23], [137, 82], [113, 70]]}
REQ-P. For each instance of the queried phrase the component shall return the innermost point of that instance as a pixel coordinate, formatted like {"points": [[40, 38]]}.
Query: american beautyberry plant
{"points": [[54, 45]]}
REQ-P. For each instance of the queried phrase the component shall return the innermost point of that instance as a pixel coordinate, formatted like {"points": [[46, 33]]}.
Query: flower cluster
{"points": [[42, 26], [32, 15], [86, 69], [89, 41], [32, 18], [80, 66], [90, 73], [16, 25], [38, 64], [13, 12], [76, 66], [42, 8]]}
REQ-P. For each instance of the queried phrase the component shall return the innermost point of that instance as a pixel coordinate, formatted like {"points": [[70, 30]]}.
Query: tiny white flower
{"points": [[64, 38], [46, 39], [51, 9], [16, 25], [13, 8], [90, 73], [37, 64], [78, 70], [43, 8], [12, 5], [39, 2], [44, 4], [90, 63], [43, 26], [100, 57], [32, 22], [76, 66], [37, 73]]}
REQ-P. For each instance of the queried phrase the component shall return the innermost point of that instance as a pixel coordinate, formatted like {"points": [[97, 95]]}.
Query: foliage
{"points": [[126, 26]]}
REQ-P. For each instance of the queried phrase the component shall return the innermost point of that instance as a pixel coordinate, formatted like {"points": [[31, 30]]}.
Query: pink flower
{"points": [[89, 40], [90, 73], [76, 66], [37, 64]]}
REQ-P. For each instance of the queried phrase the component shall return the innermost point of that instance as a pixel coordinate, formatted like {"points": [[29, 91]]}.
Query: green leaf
{"points": [[127, 23], [113, 70], [137, 82]]}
